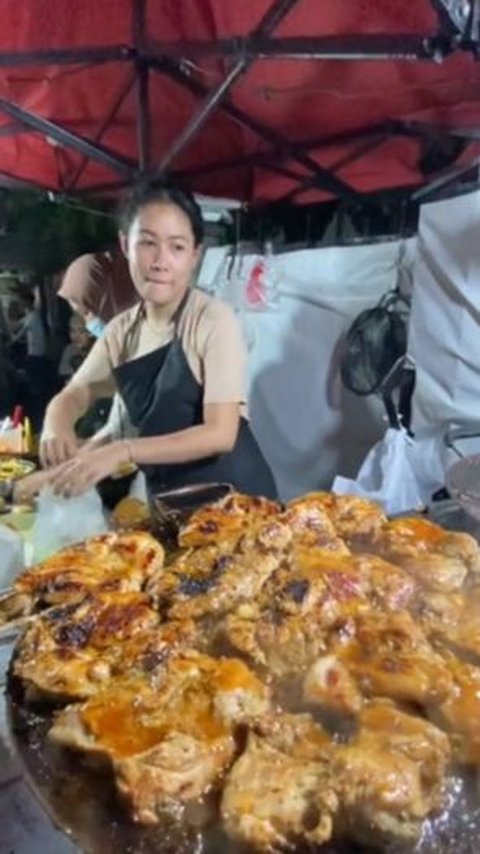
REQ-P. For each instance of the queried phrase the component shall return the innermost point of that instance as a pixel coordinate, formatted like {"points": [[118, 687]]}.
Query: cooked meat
{"points": [[337, 584], [329, 685], [72, 651], [226, 520], [280, 790], [390, 656], [283, 648], [312, 527], [356, 520], [436, 558], [459, 714], [111, 562], [204, 672], [170, 741], [211, 581], [386, 586], [438, 613], [13, 606], [311, 579], [391, 776]]}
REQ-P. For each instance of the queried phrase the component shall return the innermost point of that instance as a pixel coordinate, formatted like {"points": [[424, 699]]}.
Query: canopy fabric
{"points": [[345, 106]]}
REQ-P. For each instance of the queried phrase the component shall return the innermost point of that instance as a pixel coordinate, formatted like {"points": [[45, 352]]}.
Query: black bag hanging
{"points": [[376, 340]]}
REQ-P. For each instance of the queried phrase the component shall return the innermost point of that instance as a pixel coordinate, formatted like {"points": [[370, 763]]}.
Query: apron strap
{"points": [[178, 313]]}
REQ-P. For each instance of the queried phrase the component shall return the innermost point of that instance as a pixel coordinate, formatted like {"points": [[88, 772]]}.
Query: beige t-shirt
{"points": [[210, 336]]}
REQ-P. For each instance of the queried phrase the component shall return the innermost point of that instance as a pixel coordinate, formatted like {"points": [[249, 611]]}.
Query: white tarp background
{"points": [[310, 428], [444, 334]]}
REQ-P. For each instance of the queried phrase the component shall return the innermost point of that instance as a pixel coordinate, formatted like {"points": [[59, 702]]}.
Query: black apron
{"points": [[162, 396]]}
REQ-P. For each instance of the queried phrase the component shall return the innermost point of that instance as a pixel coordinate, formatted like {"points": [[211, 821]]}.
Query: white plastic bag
{"points": [[399, 472], [63, 521], [12, 559], [138, 487]]}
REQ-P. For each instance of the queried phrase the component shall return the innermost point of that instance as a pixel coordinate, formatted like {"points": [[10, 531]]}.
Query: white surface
{"points": [[445, 320], [309, 427]]}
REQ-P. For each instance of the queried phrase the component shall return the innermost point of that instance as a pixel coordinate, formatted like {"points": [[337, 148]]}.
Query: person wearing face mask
{"points": [[98, 286], [176, 359]]}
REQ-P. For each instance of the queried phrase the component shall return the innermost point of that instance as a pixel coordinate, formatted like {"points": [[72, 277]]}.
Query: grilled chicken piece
{"points": [[335, 583], [171, 741], [452, 619], [226, 520], [282, 648], [356, 520], [211, 581], [391, 776], [389, 656], [329, 685], [312, 528], [110, 562], [312, 579], [459, 714], [438, 559], [280, 790], [73, 650], [437, 613]]}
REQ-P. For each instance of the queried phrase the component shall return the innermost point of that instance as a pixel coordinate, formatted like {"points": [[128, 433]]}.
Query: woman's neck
{"points": [[161, 315]]}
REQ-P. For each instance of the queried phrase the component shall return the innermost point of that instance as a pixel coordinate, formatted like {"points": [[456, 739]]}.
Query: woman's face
{"points": [[161, 252]]}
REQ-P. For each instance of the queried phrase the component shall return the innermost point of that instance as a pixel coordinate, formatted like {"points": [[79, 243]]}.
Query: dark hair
{"points": [[164, 193]]}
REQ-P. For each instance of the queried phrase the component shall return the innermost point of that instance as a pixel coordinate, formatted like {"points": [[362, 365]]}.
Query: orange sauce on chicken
{"points": [[418, 529]]}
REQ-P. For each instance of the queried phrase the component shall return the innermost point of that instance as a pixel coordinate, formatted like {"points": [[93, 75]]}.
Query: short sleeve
{"points": [[95, 372], [224, 358]]}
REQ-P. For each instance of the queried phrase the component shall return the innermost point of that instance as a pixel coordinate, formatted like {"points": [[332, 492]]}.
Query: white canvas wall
{"points": [[445, 319], [309, 427]]}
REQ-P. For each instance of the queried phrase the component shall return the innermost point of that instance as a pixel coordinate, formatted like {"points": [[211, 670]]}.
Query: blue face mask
{"points": [[96, 327]]}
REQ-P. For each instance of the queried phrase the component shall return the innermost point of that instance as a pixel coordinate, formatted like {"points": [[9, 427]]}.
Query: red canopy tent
{"points": [[256, 99]]}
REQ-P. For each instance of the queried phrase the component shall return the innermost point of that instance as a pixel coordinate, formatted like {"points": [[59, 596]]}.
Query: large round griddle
{"points": [[82, 802]]}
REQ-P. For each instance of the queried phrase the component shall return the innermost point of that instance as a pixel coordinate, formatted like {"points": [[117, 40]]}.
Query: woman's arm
{"points": [[58, 441], [92, 380], [216, 435]]}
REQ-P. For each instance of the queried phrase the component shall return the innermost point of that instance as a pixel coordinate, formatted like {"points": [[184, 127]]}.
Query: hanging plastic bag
{"points": [[63, 521], [399, 472], [12, 559], [261, 288]]}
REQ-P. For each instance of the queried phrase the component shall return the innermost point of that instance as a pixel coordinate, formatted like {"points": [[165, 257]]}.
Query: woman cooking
{"points": [[176, 359]]}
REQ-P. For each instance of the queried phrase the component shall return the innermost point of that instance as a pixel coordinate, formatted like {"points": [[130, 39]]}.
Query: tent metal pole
{"points": [[103, 127], [356, 154], [143, 86], [328, 181], [66, 56], [68, 138], [276, 12], [246, 49]]}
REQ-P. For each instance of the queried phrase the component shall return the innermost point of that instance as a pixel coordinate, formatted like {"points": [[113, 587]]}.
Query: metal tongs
{"points": [[171, 508]]}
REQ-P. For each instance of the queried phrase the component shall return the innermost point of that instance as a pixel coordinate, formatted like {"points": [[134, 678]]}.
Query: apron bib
{"points": [[162, 395]]}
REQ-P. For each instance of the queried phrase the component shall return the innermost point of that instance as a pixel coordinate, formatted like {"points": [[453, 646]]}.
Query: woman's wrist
{"points": [[127, 450]]}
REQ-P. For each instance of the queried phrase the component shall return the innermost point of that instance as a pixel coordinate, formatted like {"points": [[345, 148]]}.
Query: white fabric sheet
{"points": [[309, 427], [445, 320]]}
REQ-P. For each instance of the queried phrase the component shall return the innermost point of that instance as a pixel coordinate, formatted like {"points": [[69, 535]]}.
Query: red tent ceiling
{"points": [[345, 106]]}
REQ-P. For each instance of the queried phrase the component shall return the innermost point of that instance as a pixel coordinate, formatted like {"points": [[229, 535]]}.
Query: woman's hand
{"points": [[57, 449], [88, 467], [27, 488]]}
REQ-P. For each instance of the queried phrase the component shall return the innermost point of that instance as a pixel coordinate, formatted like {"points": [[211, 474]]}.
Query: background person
{"points": [[75, 352], [98, 286]]}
